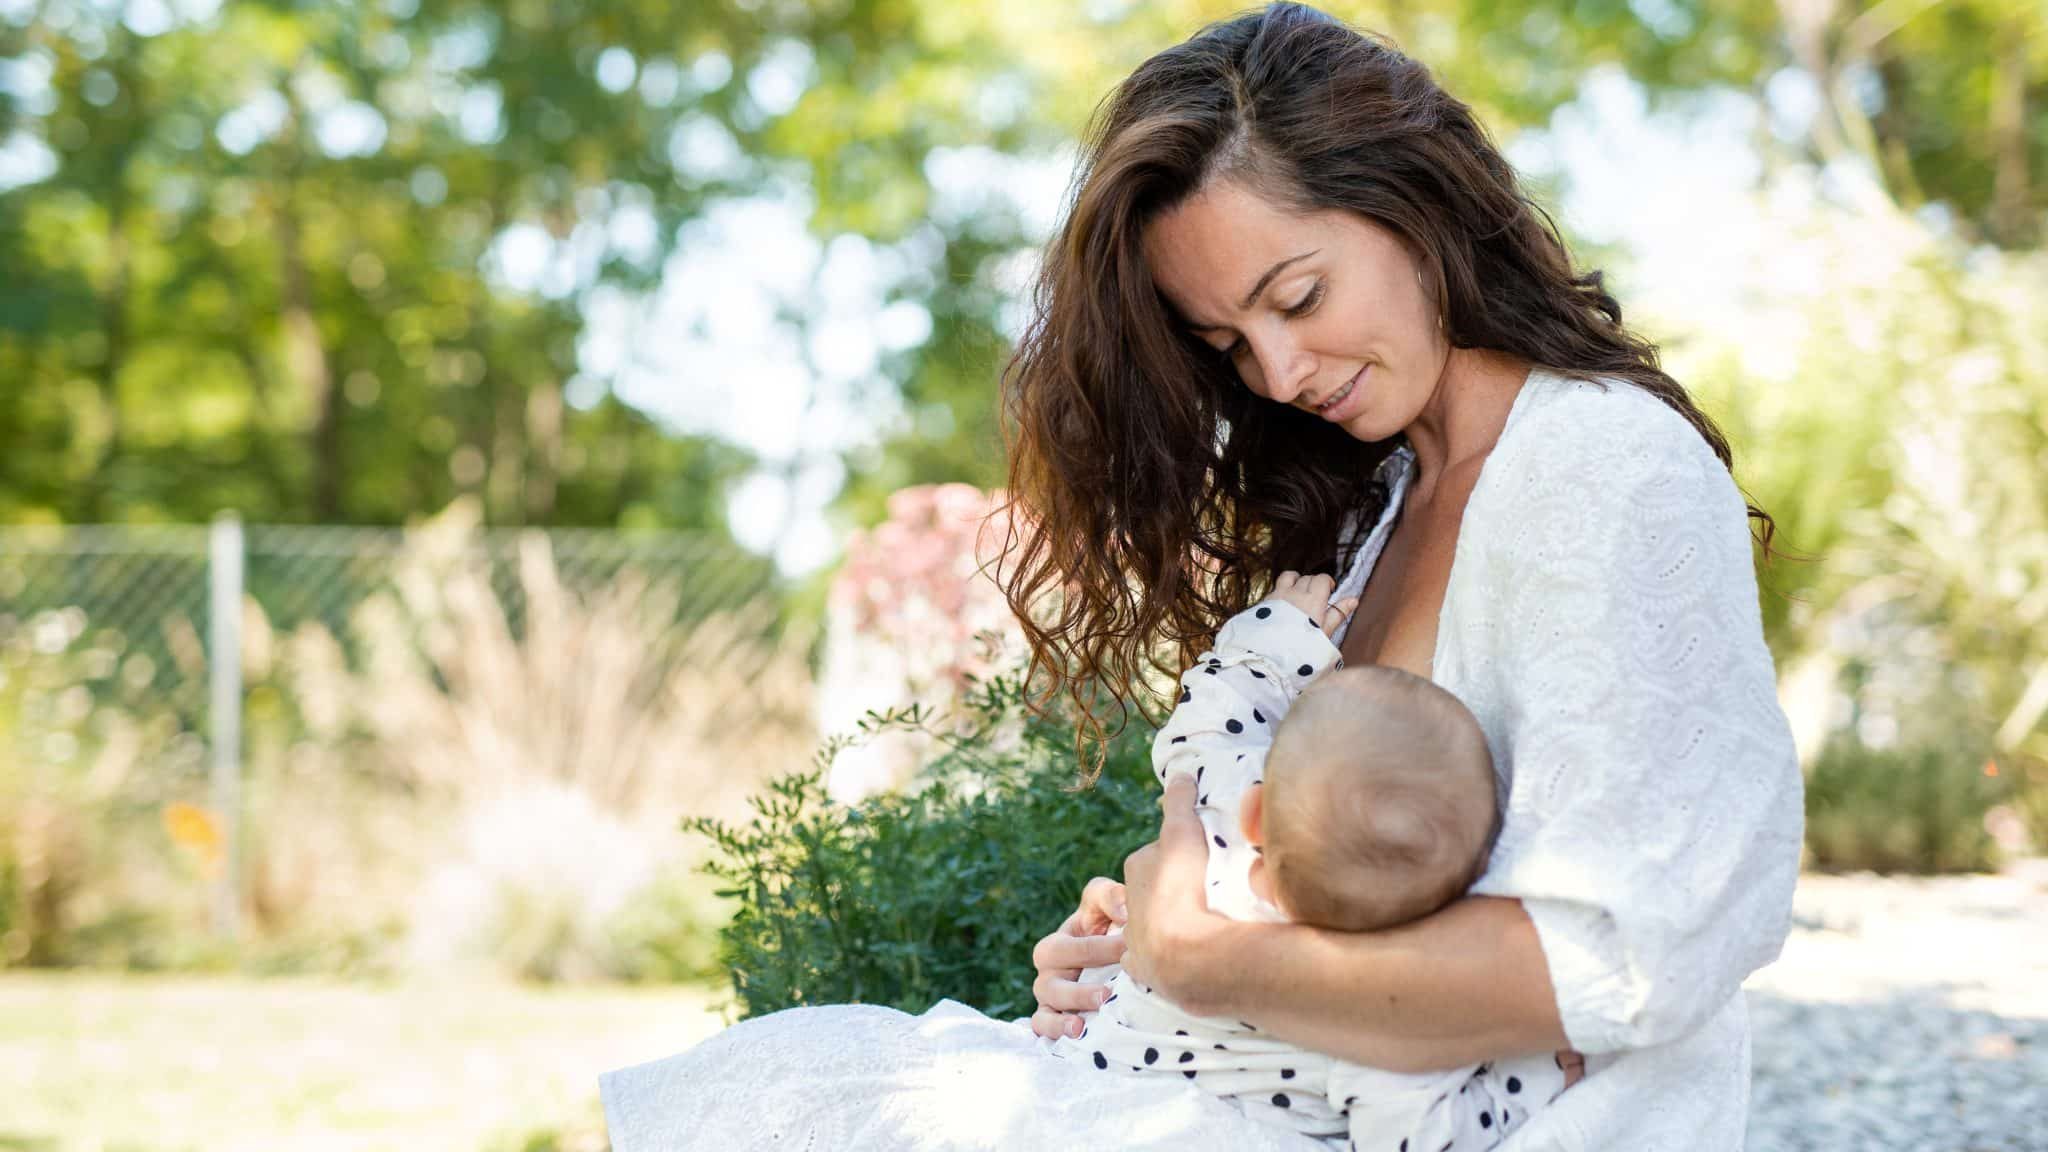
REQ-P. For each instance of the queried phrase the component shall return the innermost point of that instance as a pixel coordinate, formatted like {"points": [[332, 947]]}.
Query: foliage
{"points": [[667, 932], [2030, 802], [95, 867], [1900, 809], [1891, 415], [267, 267], [937, 891], [270, 257]]}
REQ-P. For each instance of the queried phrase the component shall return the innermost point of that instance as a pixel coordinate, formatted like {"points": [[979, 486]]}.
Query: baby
{"points": [[1373, 804]]}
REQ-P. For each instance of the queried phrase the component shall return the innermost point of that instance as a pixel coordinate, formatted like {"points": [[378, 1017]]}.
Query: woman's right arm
{"points": [[1079, 943]]}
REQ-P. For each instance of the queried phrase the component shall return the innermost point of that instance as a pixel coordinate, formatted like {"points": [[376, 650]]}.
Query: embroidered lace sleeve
{"points": [[1654, 810]]}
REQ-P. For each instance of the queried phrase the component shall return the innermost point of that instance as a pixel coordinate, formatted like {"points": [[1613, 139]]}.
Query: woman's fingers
{"points": [[1052, 1025], [1177, 807], [1102, 904], [1065, 954], [1067, 995]]}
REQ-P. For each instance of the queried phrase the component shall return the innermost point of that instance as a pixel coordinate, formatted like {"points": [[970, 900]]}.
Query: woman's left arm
{"points": [[1466, 984]]}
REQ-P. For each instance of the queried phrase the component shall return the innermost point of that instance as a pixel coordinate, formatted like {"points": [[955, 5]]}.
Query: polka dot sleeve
{"points": [[1236, 692]]}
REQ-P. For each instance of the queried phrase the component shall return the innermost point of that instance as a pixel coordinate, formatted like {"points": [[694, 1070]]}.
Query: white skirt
{"points": [[856, 1077]]}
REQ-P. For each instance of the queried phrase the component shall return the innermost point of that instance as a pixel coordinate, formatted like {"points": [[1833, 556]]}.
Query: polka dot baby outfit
{"points": [[1219, 735]]}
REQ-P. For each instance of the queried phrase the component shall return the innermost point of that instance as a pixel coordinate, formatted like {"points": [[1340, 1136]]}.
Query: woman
{"points": [[1300, 314]]}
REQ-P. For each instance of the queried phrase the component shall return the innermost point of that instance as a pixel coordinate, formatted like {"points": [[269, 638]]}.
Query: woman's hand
{"points": [[1079, 943], [1170, 922]]}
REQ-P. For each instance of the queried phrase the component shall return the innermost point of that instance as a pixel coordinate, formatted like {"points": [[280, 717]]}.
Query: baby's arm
{"points": [[1261, 660]]}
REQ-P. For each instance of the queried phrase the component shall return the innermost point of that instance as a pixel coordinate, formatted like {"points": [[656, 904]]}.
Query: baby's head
{"points": [[1378, 802]]}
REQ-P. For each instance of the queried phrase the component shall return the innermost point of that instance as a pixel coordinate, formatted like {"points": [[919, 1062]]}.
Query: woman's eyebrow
{"points": [[1252, 296]]}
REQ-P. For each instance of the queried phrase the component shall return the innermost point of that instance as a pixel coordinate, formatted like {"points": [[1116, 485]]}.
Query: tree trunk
{"points": [[544, 450], [114, 324], [2010, 219], [1894, 153], [305, 356], [98, 504], [477, 427], [505, 484]]}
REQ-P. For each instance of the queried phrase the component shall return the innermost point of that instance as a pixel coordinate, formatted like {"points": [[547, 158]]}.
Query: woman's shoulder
{"points": [[1602, 456], [1600, 417], [1595, 436]]}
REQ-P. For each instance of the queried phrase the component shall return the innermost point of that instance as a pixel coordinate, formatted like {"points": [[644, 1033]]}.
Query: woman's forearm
{"points": [[1464, 985]]}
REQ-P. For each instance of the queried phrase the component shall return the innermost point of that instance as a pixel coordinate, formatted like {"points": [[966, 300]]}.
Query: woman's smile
{"points": [[1344, 404]]}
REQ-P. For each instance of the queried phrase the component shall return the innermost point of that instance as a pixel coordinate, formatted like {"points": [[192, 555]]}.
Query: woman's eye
{"points": [[1307, 305], [1308, 302]]}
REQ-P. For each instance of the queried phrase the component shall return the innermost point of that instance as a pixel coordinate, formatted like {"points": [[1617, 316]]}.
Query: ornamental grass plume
{"points": [[554, 752]]}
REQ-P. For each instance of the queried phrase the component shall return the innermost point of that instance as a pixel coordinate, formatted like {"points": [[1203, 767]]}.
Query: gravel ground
{"points": [[1907, 1014]]}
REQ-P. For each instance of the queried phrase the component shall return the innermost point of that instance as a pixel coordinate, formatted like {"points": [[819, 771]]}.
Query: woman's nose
{"points": [[1285, 368]]}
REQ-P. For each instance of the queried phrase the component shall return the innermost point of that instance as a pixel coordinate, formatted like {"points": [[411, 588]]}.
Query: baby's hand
{"points": [[1311, 594]]}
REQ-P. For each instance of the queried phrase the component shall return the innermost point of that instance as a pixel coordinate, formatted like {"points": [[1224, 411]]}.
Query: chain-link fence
{"points": [[435, 657]]}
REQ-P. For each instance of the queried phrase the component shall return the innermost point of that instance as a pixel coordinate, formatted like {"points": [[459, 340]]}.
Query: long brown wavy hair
{"points": [[1151, 495]]}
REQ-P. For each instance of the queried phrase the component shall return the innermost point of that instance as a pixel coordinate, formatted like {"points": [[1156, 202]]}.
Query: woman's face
{"points": [[1304, 306]]}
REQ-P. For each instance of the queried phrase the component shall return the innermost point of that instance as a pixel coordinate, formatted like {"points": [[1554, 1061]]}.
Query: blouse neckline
{"points": [[1395, 472]]}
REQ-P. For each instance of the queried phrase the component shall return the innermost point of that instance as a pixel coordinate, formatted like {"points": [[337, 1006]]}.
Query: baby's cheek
{"points": [[1250, 808], [1258, 880]]}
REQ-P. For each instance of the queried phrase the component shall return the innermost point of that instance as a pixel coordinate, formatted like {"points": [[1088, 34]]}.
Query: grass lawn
{"points": [[102, 1063]]}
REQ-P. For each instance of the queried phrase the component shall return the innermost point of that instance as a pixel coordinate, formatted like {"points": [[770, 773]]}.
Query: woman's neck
{"points": [[1465, 415]]}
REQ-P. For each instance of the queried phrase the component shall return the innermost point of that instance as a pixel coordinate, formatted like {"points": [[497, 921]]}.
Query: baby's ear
{"points": [[1251, 811]]}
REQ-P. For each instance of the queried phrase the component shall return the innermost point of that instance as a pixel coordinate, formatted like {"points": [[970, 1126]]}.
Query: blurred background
{"points": [[443, 444]]}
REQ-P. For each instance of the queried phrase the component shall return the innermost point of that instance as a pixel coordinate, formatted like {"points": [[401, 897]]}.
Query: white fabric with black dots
{"points": [[1219, 735]]}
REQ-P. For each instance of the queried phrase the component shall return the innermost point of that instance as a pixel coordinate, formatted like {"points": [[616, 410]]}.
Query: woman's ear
{"points": [[1251, 812]]}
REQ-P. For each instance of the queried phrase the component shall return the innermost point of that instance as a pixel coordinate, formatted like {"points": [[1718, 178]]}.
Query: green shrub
{"points": [[667, 933], [1904, 809], [2029, 775], [93, 758], [937, 891]]}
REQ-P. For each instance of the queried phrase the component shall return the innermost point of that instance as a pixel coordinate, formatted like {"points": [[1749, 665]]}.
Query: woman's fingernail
{"points": [[1073, 1028], [1121, 912]]}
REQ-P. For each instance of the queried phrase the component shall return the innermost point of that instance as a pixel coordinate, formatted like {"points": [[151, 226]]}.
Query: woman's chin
{"points": [[1365, 426]]}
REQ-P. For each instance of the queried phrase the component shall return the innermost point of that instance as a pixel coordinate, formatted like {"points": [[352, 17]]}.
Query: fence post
{"points": [[224, 673]]}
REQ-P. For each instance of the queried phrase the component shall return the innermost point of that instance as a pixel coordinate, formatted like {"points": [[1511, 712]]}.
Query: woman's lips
{"points": [[1336, 407]]}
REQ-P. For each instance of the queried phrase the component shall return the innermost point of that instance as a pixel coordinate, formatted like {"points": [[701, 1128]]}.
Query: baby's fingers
{"points": [[1337, 613]]}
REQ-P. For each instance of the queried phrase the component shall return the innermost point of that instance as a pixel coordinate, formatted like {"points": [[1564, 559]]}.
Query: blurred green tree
{"points": [[266, 269], [276, 261]]}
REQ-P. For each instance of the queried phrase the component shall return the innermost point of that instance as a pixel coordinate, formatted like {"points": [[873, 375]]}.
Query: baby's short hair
{"points": [[1380, 802]]}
